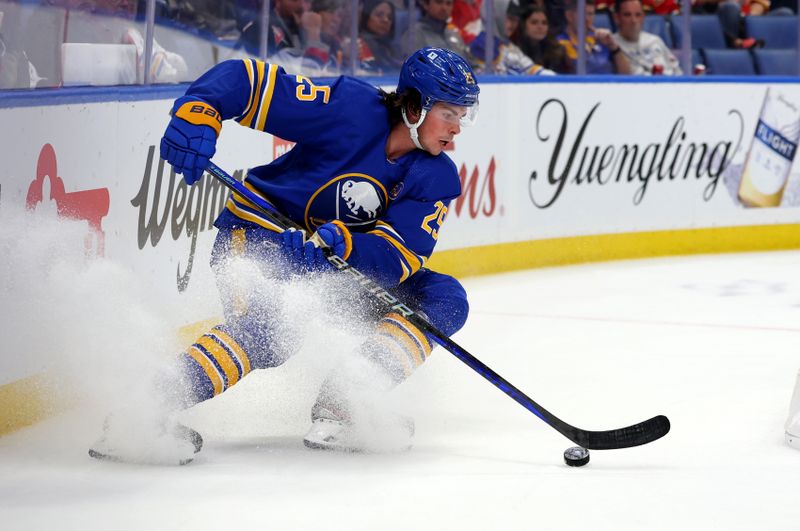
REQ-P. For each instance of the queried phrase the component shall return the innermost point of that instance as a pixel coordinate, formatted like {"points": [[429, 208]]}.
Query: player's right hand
{"points": [[191, 137], [308, 254]]}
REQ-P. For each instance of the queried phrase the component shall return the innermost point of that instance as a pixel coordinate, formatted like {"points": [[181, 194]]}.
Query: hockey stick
{"points": [[638, 434]]}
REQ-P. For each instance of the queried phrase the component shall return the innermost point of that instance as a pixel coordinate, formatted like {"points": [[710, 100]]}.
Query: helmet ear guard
{"points": [[412, 128]]}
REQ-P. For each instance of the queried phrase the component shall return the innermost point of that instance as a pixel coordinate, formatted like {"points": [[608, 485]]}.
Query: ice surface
{"points": [[712, 342]]}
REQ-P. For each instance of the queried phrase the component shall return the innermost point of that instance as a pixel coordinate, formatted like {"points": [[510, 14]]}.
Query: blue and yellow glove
{"points": [[191, 137], [308, 253]]}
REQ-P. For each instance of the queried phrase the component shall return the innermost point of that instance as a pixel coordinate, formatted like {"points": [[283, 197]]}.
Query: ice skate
{"points": [[378, 433], [146, 441], [331, 432]]}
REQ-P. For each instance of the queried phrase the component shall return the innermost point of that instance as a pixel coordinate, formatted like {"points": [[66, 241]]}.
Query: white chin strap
{"points": [[412, 128]]}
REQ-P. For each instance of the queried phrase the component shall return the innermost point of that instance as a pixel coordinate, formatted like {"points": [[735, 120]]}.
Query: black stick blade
{"points": [[636, 435]]}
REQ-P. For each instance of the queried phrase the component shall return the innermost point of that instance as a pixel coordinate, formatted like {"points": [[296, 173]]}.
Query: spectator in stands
{"points": [[377, 52], [467, 18], [537, 41], [508, 58], [746, 7], [554, 10], [603, 54], [294, 38], [330, 12], [603, 6], [732, 14], [291, 28], [433, 29], [646, 52], [662, 7], [287, 24], [247, 19]]}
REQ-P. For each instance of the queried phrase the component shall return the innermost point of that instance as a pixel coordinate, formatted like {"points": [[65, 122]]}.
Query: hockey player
{"points": [[367, 176]]}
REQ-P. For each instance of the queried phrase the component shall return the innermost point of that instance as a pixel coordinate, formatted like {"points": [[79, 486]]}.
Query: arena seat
{"points": [[777, 32], [658, 25], [775, 62], [706, 32], [729, 62]]}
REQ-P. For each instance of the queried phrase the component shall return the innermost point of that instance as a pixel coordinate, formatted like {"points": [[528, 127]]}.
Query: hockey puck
{"points": [[576, 456]]}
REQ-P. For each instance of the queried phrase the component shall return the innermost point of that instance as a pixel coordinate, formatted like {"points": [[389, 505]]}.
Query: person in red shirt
{"points": [[467, 18]]}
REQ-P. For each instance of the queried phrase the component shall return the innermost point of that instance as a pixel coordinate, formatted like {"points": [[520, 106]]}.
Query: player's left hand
{"points": [[308, 254]]}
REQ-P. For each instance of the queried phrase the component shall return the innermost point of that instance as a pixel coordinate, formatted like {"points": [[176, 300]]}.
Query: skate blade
{"points": [[117, 459], [332, 448], [363, 449]]}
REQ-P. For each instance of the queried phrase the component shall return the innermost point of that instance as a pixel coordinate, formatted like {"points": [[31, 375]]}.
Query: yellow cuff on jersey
{"points": [[348, 238], [200, 113]]}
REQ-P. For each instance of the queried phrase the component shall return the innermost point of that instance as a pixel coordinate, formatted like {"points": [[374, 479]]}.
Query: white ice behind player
{"points": [[793, 422]]}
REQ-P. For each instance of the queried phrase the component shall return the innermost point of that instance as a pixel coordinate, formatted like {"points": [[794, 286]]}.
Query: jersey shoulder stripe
{"points": [[266, 98], [256, 77], [250, 68], [261, 77]]}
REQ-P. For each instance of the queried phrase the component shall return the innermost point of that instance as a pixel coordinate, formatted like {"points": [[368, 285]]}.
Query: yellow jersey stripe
{"points": [[266, 99], [414, 260], [235, 348], [205, 363], [245, 202], [247, 121], [406, 272], [246, 215], [248, 65], [222, 357], [252, 188], [385, 226]]}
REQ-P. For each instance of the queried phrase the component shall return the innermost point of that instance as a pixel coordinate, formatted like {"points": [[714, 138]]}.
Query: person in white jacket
{"points": [[647, 53]]}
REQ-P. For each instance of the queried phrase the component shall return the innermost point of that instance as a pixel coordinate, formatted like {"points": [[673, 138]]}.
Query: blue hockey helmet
{"points": [[439, 75]]}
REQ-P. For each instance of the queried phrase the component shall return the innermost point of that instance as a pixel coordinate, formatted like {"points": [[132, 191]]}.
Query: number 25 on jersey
{"points": [[433, 222], [308, 91]]}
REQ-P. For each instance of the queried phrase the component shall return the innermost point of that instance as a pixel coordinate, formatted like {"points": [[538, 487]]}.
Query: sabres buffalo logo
{"points": [[356, 199]]}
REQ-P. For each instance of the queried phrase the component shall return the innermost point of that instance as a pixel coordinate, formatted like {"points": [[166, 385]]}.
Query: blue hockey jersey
{"points": [[338, 168]]}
